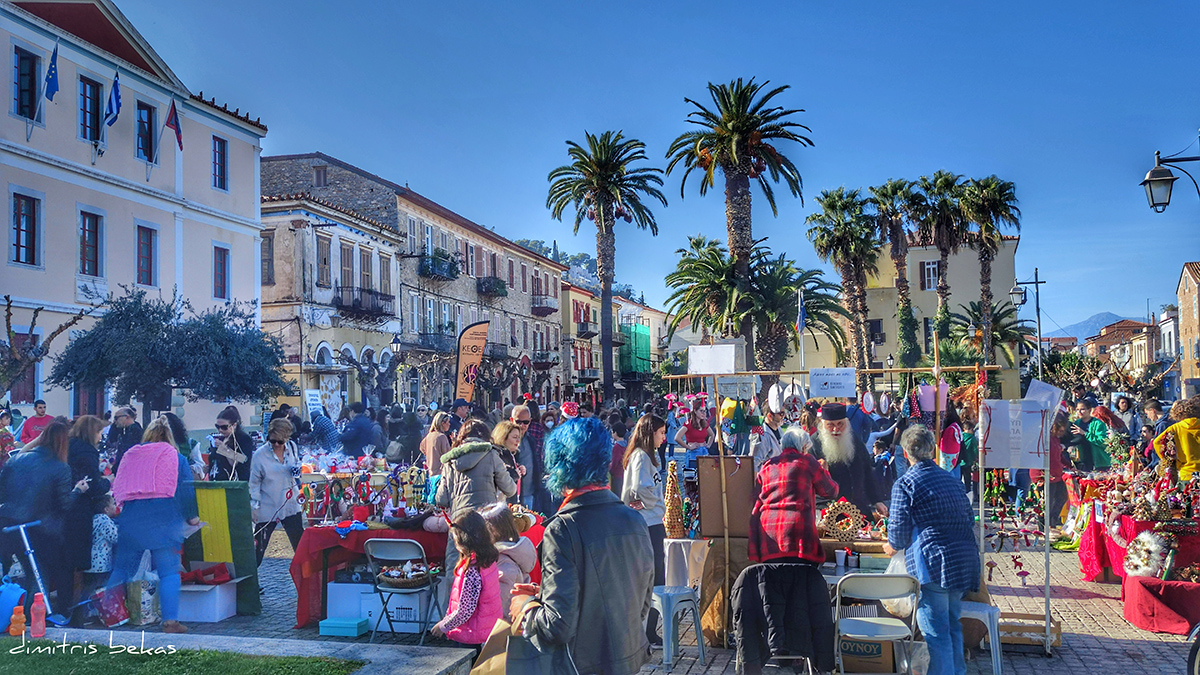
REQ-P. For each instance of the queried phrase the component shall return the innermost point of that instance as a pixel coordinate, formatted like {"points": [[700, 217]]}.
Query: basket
{"points": [[402, 582]]}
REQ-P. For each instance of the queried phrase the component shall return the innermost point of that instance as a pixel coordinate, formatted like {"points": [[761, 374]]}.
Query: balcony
{"points": [[492, 287], [877, 338], [438, 341], [543, 305], [635, 376], [589, 374], [618, 338], [444, 268], [586, 330], [363, 301], [664, 341], [544, 360], [496, 351]]}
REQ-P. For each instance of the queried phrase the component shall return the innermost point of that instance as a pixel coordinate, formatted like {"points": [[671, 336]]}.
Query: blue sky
{"points": [[470, 103]]}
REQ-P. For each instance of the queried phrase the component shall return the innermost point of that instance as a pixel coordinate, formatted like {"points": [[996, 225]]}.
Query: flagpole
{"points": [[801, 323]]}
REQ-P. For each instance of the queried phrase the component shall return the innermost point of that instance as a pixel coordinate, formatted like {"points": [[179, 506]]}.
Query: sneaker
{"points": [[656, 642], [173, 627]]}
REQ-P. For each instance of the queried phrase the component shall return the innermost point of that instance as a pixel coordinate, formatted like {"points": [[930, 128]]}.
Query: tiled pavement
{"points": [[1095, 636]]}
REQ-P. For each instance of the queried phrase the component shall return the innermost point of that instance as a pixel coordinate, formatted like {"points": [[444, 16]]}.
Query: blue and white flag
{"points": [[52, 76], [113, 110], [801, 317]]}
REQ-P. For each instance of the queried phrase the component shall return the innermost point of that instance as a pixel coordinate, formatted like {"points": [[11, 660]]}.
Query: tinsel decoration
{"points": [[1147, 554], [674, 503]]}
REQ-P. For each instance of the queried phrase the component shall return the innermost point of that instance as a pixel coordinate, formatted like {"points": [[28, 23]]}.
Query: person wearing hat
{"points": [[358, 432], [765, 442], [848, 461], [459, 410]]}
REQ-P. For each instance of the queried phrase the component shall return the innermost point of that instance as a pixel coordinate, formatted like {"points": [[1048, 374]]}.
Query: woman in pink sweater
{"points": [[475, 596]]}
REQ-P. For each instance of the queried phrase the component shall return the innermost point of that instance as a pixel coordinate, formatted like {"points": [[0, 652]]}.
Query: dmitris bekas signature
{"points": [[90, 648]]}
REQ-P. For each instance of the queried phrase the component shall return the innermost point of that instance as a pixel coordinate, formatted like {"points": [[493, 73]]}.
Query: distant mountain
{"points": [[1090, 326]]}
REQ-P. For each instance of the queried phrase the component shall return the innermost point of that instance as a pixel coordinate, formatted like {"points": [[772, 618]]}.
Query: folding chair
{"points": [[381, 552], [875, 629]]}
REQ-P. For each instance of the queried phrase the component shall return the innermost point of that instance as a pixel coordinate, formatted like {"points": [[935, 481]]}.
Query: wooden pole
{"points": [[727, 607], [937, 396]]}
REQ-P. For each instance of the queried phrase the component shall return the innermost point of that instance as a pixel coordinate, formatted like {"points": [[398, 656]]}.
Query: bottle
{"points": [[16, 627], [37, 617]]}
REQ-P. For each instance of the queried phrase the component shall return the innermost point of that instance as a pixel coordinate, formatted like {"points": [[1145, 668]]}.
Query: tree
{"points": [[1007, 331], [536, 245], [843, 234], [895, 204], [990, 204], [146, 346], [373, 379], [704, 281], [738, 135], [954, 353], [602, 183], [16, 360], [941, 224]]}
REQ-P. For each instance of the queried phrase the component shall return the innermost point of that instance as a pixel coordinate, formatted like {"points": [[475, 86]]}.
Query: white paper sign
{"points": [[832, 382], [712, 359], [1014, 434], [1043, 393], [312, 401], [742, 388]]}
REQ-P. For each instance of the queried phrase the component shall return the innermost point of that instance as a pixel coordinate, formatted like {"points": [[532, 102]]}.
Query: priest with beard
{"points": [[847, 460]]}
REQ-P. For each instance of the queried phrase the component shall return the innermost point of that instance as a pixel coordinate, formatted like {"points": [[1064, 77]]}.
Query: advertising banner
{"points": [[470, 352]]}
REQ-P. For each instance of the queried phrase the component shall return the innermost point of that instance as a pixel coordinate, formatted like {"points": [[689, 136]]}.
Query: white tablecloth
{"points": [[685, 561]]}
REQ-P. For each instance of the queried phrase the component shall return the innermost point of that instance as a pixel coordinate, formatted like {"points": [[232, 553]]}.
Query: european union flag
{"points": [[52, 76], [114, 102]]}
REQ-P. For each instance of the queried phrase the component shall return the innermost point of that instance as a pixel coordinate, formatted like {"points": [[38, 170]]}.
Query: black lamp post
{"points": [[1159, 180], [1017, 296], [890, 362]]}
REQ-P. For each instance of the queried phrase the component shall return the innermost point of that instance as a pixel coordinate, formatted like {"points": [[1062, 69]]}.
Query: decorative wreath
{"points": [[1146, 555], [842, 520]]}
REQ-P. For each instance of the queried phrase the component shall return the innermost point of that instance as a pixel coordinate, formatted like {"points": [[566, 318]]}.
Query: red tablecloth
{"points": [[1161, 606], [1098, 550], [306, 564]]}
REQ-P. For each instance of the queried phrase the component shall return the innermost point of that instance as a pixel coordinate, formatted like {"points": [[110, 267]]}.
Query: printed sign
{"points": [[832, 383], [1015, 434], [470, 353], [312, 401]]}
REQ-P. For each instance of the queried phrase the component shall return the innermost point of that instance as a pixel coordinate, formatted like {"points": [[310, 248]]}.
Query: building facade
{"points": [[1188, 294], [452, 273], [98, 204], [1169, 352]]}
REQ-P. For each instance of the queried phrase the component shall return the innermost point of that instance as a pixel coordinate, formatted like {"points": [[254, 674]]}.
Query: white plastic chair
{"points": [[990, 616], [875, 629]]}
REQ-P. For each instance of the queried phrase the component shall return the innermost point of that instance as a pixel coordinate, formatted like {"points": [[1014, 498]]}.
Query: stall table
{"points": [[1098, 549], [1161, 606], [321, 551]]}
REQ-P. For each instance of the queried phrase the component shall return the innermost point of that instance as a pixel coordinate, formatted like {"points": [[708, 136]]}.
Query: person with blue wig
{"points": [[589, 612]]}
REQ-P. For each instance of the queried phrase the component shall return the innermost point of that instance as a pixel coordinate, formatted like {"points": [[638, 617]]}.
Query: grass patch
{"points": [[45, 657]]}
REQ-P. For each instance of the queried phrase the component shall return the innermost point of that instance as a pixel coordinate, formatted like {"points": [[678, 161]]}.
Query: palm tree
{"points": [[941, 224], [842, 233], [602, 184], [954, 353], [895, 203], [738, 135], [705, 296], [991, 205], [1006, 331]]}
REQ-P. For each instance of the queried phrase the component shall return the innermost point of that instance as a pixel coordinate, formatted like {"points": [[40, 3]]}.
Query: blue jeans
{"points": [[938, 613]]}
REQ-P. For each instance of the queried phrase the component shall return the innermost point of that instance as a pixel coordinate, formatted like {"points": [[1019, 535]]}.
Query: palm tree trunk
{"points": [[741, 238], [942, 322], [861, 312], [985, 305], [770, 353], [856, 329], [606, 251]]}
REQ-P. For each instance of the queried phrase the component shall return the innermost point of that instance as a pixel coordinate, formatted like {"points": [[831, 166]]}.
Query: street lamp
{"points": [[1017, 295], [395, 344], [1159, 180], [890, 362]]}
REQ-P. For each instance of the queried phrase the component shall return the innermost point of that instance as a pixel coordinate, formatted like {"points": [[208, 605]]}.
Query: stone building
{"points": [[452, 272], [1188, 294]]}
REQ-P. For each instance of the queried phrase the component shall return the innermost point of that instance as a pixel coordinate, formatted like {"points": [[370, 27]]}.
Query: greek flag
{"points": [[113, 110]]}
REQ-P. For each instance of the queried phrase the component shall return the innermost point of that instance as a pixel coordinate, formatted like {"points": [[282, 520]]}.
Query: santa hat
{"points": [[570, 410]]}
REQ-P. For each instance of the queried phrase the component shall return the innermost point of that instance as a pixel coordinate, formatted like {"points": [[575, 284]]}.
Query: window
{"points": [[445, 241], [445, 317], [89, 244], [428, 240], [524, 278], [475, 315], [929, 274], [145, 256], [346, 260], [494, 269], [145, 132], [89, 109], [25, 230], [323, 273], [24, 389], [385, 274], [364, 269], [556, 335], [525, 334], [25, 83], [927, 324], [511, 278], [87, 400], [412, 236], [415, 318], [512, 333], [430, 315], [220, 163], [471, 259], [320, 176], [268, 259], [220, 273], [458, 324]]}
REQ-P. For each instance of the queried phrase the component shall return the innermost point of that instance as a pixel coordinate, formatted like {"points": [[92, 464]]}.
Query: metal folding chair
{"points": [[875, 629], [386, 552]]}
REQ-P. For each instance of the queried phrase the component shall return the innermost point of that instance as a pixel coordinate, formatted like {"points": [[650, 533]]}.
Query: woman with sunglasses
{"points": [[274, 495], [231, 448]]}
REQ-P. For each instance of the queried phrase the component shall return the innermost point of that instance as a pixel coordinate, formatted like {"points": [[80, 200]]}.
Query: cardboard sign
{"points": [[312, 401], [832, 383], [739, 485], [1014, 434]]}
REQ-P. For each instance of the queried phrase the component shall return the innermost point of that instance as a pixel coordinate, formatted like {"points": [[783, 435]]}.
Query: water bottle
{"points": [[37, 617]]}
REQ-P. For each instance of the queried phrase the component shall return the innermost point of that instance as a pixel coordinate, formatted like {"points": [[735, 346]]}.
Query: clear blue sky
{"points": [[470, 104]]}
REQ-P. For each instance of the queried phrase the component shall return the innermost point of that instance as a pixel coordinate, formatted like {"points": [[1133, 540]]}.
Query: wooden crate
{"points": [[1028, 629]]}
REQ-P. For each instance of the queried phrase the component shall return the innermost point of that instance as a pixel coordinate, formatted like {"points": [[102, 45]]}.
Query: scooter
{"points": [[56, 619]]}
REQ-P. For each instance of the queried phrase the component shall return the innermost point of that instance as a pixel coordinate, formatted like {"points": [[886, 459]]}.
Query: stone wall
{"points": [[344, 188]]}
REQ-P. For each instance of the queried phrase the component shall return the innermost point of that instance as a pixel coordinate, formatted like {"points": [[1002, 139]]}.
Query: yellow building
{"points": [[923, 272], [581, 345], [117, 203]]}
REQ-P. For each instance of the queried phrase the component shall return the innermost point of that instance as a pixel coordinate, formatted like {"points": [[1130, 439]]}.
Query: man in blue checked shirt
{"points": [[932, 521]]}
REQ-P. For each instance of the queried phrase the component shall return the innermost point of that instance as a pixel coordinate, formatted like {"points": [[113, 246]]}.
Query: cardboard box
{"points": [[407, 610], [343, 627], [862, 656], [344, 601], [204, 603], [739, 486]]}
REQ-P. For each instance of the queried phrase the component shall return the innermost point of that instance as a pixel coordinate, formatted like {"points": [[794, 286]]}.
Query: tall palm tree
{"points": [[602, 184], [704, 282], [738, 135], [941, 224], [1006, 331], [990, 204], [843, 234], [895, 204]]}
